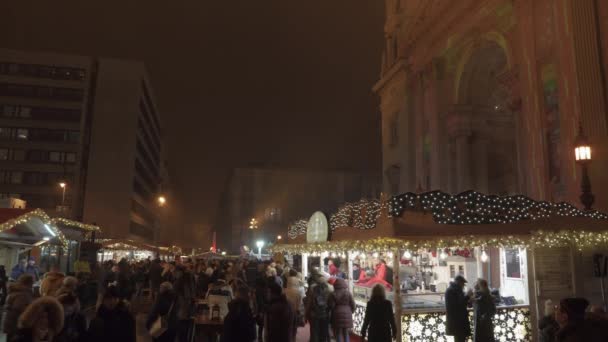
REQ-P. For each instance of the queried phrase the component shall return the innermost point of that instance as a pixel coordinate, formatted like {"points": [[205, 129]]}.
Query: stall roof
{"points": [[437, 219], [74, 230], [27, 226], [125, 245]]}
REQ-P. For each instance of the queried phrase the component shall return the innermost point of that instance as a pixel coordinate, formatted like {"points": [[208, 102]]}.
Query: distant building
{"points": [[90, 123], [277, 197]]}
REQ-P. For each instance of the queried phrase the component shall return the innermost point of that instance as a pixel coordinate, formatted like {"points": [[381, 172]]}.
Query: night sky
{"points": [[238, 83]]}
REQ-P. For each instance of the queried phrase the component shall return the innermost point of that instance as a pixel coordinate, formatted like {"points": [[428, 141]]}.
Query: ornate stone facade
{"points": [[487, 95]]}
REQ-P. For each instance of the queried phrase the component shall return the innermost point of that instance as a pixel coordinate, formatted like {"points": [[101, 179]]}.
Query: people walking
{"points": [[20, 295], [165, 306], [547, 325], [51, 282], [317, 309], [26, 266], [239, 324], [185, 293], [341, 305], [75, 323], [484, 308], [113, 322], [279, 319], [41, 321], [295, 293], [457, 316], [379, 321], [155, 276]]}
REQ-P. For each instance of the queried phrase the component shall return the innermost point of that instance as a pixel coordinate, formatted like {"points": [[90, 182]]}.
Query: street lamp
{"points": [[253, 224], [63, 186], [582, 155], [259, 244], [162, 200], [279, 237]]}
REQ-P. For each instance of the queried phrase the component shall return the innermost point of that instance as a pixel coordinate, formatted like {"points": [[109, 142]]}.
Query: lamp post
{"points": [[259, 244], [582, 155], [63, 186]]}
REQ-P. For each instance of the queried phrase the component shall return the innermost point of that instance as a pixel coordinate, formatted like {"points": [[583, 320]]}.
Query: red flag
{"points": [[214, 244]]}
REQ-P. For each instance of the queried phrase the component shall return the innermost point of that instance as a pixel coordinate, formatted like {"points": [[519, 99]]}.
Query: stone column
{"points": [[480, 155], [459, 124]]}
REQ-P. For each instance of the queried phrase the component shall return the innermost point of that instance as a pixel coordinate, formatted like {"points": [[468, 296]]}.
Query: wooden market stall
{"points": [[23, 232], [116, 249], [76, 233], [426, 239]]}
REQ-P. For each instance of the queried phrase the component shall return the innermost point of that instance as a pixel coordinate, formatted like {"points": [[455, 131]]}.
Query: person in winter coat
{"points": [[51, 282], [547, 325], [185, 292], [294, 292], [379, 321], [26, 266], [578, 326], [317, 309], [220, 293], [165, 306], [3, 283], [113, 322], [154, 274], [239, 324], [342, 305], [484, 312], [41, 321], [279, 319], [20, 295], [457, 316], [75, 323]]}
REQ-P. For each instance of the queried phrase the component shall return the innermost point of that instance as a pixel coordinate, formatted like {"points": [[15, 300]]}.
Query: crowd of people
{"points": [[256, 301]]}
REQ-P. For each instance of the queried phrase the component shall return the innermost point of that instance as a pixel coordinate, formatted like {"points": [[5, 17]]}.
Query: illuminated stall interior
{"points": [[113, 249], [75, 232], [415, 244]]}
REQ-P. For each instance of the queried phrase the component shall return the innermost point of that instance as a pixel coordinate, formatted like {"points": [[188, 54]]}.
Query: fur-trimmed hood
{"points": [[34, 311]]}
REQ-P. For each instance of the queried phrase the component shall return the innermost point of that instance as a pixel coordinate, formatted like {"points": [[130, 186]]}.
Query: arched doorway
{"points": [[488, 139]]}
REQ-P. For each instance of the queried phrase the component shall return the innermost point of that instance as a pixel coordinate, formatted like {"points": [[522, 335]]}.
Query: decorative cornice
{"points": [[400, 65]]}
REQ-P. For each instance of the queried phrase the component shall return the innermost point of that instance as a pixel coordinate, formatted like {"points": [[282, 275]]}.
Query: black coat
{"points": [[379, 322], [547, 327], [74, 329], [155, 275], [239, 324], [165, 302], [484, 313], [280, 320], [457, 315], [116, 325]]}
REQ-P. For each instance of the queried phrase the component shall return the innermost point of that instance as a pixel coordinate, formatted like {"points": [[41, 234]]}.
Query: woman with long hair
{"points": [[379, 322]]}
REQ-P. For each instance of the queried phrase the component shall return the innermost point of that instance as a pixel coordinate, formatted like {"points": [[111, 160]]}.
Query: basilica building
{"points": [[488, 95]]}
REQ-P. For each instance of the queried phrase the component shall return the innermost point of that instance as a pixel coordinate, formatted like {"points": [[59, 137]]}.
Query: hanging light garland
{"points": [[363, 214], [475, 208], [296, 229], [71, 223], [580, 239], [39, 214]]}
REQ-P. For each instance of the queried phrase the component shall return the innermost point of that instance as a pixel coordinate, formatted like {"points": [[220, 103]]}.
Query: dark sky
{"points": [[237, 82]]}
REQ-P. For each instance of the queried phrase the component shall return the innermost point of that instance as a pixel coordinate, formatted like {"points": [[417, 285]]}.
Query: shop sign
{"points": [[317, 228]]}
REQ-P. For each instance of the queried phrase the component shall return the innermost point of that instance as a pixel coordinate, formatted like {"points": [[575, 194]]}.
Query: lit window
{"points": [[55, 157], [512, 260], [22, 133]]}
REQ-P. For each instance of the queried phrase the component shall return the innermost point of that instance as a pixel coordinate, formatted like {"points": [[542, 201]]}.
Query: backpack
{"points": [[320, 296]]}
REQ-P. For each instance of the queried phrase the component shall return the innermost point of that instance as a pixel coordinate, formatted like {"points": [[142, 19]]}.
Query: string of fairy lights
{"points": [[476, 208], [42, 216], [580, 239], [464, 208]]}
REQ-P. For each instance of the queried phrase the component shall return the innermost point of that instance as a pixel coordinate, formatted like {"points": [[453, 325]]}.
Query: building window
{"points": [[73, 136], [3, 153], [512, 261], [70, 158], [16, 177], [393, 175], [55, 157], [22, 133], [18, 155]]}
